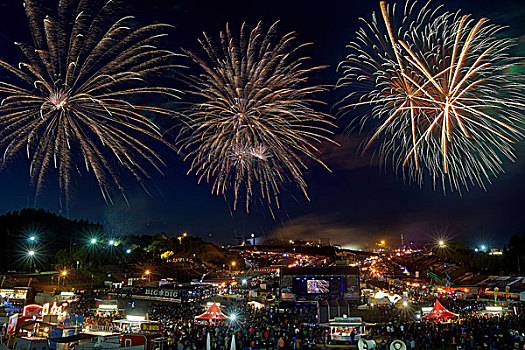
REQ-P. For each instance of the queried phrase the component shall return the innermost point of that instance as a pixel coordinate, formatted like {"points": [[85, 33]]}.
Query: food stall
{"points": [[342, 329]]}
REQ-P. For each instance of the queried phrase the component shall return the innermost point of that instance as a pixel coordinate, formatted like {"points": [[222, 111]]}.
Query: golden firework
{"points": [[253, 124], [73, 102]]}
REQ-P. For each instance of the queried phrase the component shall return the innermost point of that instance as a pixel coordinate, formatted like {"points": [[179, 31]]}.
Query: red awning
{"points": [[213, 313], [439, 311]]}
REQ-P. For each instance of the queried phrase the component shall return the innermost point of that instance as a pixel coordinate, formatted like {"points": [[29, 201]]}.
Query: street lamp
{"points": [[92, 248], [31, 255], [441, 242], [111, 243], [148, 273], [63, 275], [32, 239], [128, 251]]}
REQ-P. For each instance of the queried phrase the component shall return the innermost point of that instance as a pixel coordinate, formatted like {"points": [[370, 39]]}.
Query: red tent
{"points": [[439, 311], [213, 313]]}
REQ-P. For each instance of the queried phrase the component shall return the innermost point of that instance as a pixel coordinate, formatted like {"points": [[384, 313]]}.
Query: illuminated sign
{"points": [[150, 327], [39, 311], [167, 293], [13, 293], [33, 311]]}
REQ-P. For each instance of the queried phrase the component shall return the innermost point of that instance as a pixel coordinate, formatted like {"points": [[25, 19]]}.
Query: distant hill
{"points": [[52, 232], [61, 242], [190, 247]]}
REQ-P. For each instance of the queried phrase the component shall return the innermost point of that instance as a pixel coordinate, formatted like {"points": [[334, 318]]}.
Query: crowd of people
{"points": [[85, 305], [268, 327], [253, 328], [473, 332]]}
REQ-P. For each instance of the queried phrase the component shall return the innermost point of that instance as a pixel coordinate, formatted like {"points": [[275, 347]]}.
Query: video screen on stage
{"points": [[317, 286], [319, 283]]}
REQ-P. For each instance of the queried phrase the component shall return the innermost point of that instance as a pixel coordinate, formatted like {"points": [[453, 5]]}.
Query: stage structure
{"points": [[331, 290]]}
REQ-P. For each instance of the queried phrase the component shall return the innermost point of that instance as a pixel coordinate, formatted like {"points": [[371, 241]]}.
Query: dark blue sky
{"points": [[353, 204]]}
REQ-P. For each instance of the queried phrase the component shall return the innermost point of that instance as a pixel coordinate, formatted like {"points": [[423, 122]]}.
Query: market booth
{"points": [[212, 314], [42, 322], [346, 330], [150, 337], [439, 312], [131, 324]]}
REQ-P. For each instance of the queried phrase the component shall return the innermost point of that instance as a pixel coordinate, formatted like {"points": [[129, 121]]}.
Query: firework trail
{"points": [[442, 91], [253, 125], [69, 105]]}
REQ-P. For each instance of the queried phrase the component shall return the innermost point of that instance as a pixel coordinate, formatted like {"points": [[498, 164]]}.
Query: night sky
{"points": [[356, 203]]}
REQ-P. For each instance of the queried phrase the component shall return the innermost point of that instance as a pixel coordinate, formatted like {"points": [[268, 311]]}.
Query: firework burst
{"points": [[442, 91], [253, 126], [71, 104]]}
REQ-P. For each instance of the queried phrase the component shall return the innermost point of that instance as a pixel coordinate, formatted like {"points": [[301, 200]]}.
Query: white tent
{"points": [[233, 347], [393, 298]]}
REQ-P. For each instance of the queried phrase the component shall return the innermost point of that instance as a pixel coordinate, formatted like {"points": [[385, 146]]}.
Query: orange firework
{"points": [[443, 90]]}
